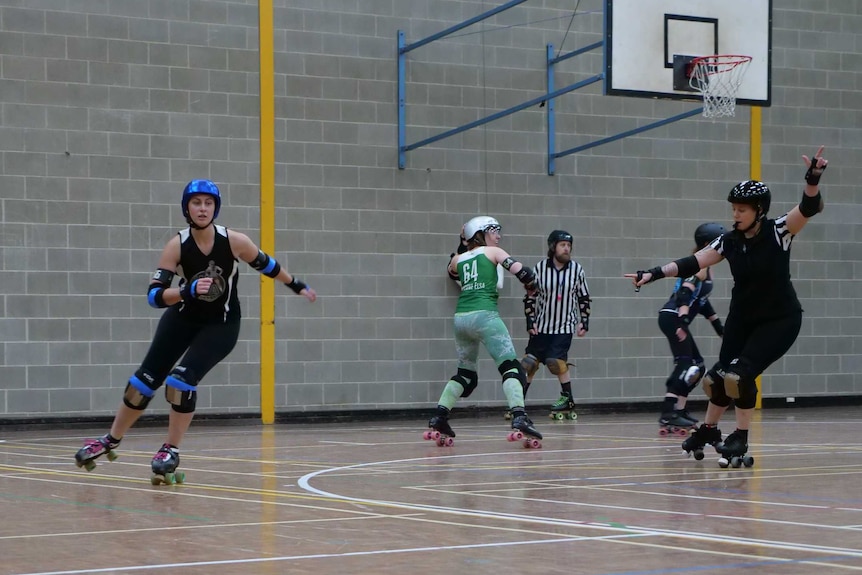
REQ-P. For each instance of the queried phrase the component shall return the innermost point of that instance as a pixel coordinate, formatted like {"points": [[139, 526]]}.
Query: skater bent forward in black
{"points": [[765, 315], [198, 329], [689, 299]]}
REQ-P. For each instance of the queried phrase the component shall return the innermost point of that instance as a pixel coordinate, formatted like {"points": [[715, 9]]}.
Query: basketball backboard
{"points": [[645, 37]]}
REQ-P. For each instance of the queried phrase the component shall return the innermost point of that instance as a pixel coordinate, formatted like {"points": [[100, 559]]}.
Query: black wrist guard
{"points": [[187, 291], [585, 323], [530, 311], [686, 266], [655, 274], [811, 178], [296, 285], [811, 205]]}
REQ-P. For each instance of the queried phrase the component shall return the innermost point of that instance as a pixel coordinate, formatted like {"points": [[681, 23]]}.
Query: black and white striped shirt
{"points": [[557, 309]]}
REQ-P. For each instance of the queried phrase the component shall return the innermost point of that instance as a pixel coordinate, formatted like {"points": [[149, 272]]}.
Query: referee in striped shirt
{"points": [[560, 308]]}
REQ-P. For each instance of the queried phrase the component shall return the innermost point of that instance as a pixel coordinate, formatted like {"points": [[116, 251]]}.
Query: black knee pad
{"points": [[713, 386], [140, 390], [556, 366], [468, 380], [745, 388], [513, 365], [675, 383], [693, 375], [530, 363], [181, 390]]}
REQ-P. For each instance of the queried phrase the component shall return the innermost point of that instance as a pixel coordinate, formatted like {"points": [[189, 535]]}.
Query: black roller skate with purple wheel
{"points": [[164, 464], [702, 436], [439, 430], [732, 451], [524, 431], [95, 448]]}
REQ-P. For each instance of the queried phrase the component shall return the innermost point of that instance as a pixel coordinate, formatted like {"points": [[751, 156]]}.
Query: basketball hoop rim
{"points": [[729, 61]]}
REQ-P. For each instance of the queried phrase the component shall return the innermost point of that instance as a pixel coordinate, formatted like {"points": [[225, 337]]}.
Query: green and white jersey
{"points": [[478, 277]]}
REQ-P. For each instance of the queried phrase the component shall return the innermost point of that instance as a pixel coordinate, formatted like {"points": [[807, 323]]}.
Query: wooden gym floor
{"points": [[605, 495]]}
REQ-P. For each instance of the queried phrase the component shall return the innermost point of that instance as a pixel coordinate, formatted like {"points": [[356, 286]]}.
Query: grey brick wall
{"points": [[108, 108]]}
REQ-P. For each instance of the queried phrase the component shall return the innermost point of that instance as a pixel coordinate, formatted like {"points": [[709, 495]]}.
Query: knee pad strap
{"points": [[468, 379], [512, 368]]}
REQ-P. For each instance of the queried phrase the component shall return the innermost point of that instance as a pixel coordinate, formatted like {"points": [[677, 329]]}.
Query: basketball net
{"points": [[718, 79]]}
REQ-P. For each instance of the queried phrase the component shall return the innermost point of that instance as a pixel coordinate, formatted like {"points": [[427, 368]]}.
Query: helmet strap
{"points": [[194, 226]]}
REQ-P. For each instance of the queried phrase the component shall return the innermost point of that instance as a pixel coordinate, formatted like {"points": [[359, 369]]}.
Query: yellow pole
{"points": [[267, 209], [755, 160]]}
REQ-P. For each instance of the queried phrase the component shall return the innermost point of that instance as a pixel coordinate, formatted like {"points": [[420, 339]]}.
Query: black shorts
{"points": [[549, 345], [200, 345]]}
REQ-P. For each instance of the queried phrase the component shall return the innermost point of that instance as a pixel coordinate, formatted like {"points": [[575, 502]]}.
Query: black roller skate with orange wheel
{"points": [[439, 430], [674, 423], [524, 431], [563, 408], [164, 465], [732, 451], [702, 436], [95, 448]]}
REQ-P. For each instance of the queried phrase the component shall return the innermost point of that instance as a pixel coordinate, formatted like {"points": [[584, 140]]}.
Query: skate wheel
{"points": [[736, 462], [515, 436], [698, 454], [748, 461], [111, 456], [681, 432], [170, 479], [663, 431], [449, 442], [156, 479], [431, 435], [532, 443], [723, 462], [507, 415], [573, 416], [559, 416], [89, 466], [180, 477]]}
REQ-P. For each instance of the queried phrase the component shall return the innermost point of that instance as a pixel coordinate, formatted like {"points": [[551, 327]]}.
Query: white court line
{"points": [[326, 555], [305, 483]]}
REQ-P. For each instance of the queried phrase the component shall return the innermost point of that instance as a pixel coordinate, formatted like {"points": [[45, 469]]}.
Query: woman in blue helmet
{"points": [[765, 315], [199, 327]]}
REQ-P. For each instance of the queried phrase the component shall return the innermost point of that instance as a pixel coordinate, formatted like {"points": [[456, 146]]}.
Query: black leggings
{"points": [[204, 345], [686, 349], [758, 344]]}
